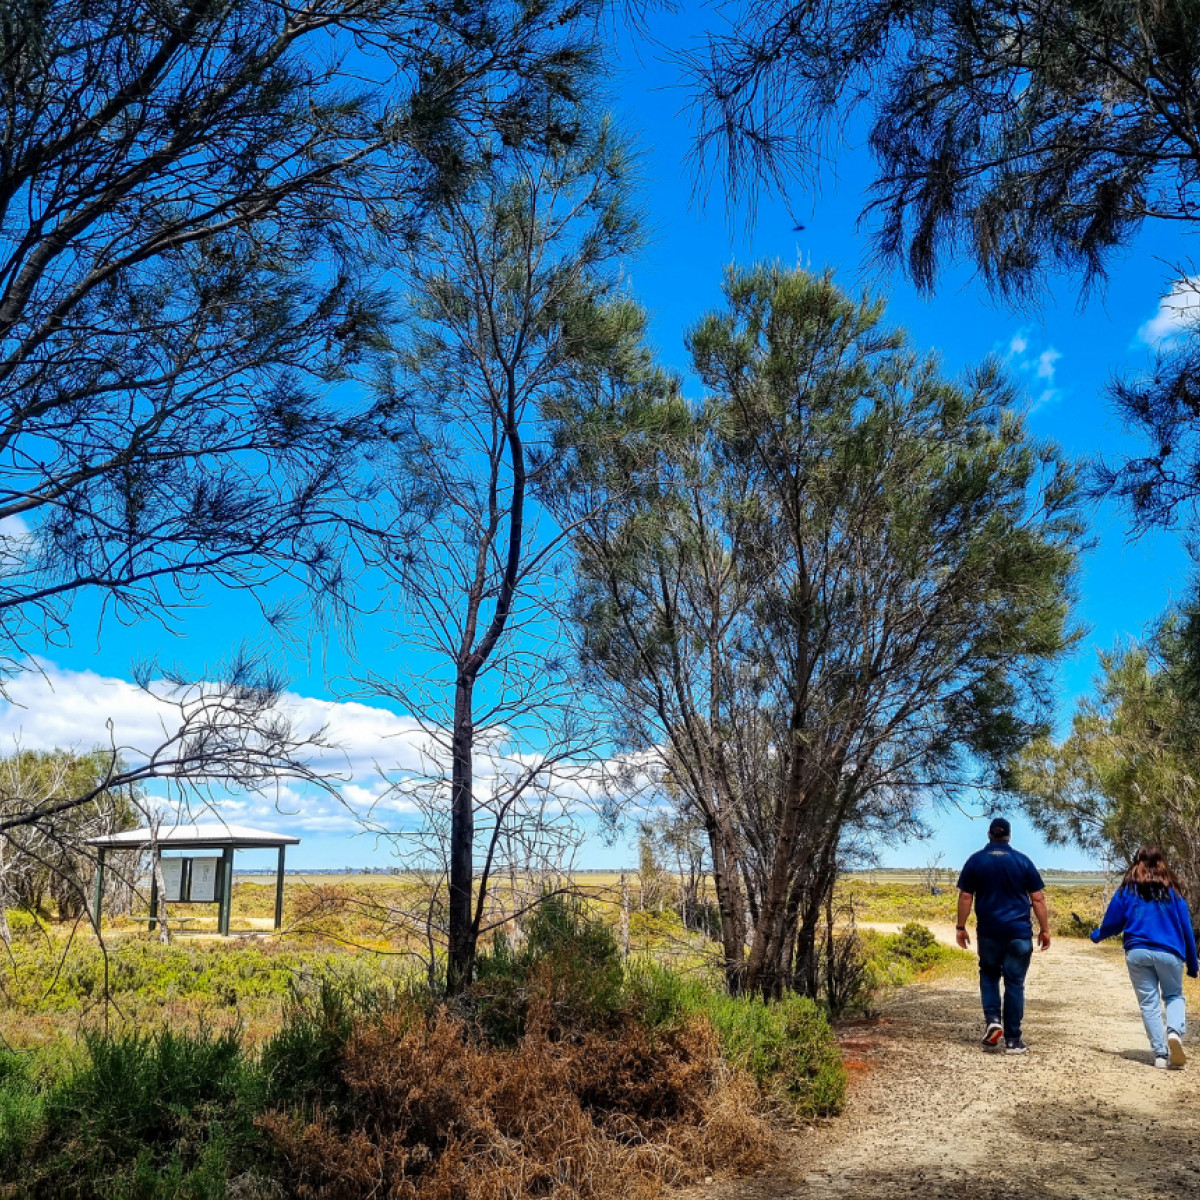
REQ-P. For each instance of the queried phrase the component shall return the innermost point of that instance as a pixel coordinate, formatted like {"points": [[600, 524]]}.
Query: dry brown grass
{"points": [[435, 1114]]}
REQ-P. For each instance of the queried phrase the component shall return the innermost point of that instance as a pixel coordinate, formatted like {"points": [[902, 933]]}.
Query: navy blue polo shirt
{"points": [[1001, 878]]}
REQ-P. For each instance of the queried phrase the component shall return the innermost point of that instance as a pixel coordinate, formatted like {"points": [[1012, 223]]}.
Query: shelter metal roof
{"points": [[196, 837]]}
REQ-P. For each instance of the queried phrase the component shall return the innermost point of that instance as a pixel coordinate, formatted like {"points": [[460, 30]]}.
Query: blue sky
{"points": [[1062, 353]]}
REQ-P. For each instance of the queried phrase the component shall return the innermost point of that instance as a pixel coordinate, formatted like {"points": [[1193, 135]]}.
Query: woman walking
{"points": [[1149, 909]]}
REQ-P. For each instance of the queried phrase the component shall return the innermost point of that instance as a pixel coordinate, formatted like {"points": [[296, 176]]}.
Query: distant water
{"points": [[892, 875]]}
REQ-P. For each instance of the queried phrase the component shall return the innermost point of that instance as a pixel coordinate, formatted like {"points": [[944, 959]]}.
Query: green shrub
{"points": [[300, 1065], [919, 945], [895, 959], [1076, 914], [572, 962], [146, 1091], [659, 997], [888, 901], [225, 976], [569, 968], [22, 1112], [647, 927], [205, 1178], [177, 1116], [785, 1044], [159, 1117], [24, 925]]}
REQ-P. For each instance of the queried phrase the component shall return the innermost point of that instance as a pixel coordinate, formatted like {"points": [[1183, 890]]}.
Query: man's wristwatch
{"points": [[962, 927]]}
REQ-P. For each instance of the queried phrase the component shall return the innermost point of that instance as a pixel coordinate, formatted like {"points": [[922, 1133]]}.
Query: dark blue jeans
{"points": [[1007, 959]]}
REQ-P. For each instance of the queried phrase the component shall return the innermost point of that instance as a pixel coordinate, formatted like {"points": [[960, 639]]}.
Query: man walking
{"points": [[1004, 885]]}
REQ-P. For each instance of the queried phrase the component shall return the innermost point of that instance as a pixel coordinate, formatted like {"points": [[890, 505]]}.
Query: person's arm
{"points": [[965, 900], [1038, 900], [1189, 936], [1114, 918]]}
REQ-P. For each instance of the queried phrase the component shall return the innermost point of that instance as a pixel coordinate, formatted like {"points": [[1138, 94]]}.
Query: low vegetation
{"points": [[895, 959], [322, 1064], [565, 1071], [1074, 911]]}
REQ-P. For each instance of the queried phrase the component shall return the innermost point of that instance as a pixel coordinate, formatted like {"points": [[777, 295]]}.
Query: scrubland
{"points": [[1074, 911], [323, 1062]]}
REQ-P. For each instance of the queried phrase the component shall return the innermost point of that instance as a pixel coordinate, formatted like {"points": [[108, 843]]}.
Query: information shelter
{"points": [[195, 877]]}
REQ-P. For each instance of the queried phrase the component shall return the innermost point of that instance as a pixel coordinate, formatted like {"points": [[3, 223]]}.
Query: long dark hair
{"points": [[1150, 876]]}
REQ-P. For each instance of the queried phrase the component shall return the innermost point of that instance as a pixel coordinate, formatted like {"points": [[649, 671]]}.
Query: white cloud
{"points": [[49, 708], [361, 797], [16, 543], [363, 734], [1037, 366], [373, 748], [1178, 311], [1045, 363]]}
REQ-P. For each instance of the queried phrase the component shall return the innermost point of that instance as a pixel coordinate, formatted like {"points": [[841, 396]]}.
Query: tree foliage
{"points": [[1126, 773], [193, 203], [1161, 488], [520, 325], [191, 198], [51, 860], [1028, 137], [838, 595]]}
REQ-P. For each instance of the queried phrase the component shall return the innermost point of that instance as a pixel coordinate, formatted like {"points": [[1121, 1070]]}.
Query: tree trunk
{"points": [[811, 895], [5, 932], [730, 903], [831, 998], [463, 931], [460, 963], [805, 967], [624, 916], [768, 947], [786, 969]]}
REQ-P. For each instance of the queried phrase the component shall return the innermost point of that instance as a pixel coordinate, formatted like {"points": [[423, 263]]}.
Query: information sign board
{"points": [[205, 880], [173, 876]]}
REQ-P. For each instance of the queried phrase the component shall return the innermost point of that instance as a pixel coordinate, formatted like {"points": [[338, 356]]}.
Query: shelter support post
{"points": [[226, 891], [98, 897], [153, 893], [279, 891]]}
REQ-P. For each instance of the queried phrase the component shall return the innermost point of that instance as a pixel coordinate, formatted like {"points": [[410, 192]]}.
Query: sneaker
{"points": [[1161, 1064], [993, 1036], [1015, 1046], [1175, 1050]]}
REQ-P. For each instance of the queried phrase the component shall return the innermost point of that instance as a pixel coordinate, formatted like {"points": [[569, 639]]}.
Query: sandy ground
{"points": [[1082, 1116]]}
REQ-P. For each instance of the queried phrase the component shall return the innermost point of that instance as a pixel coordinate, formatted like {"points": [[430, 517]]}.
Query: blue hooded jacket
{"points": [[1154, 924]]}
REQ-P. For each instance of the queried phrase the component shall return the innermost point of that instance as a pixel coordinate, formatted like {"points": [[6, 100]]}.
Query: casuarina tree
{"points": [[520, 327], [1125, 773], [840, 595], [1028, 137], [193, 198]]}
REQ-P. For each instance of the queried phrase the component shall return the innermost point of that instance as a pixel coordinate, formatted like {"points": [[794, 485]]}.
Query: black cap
{"points": [[999, 828]]}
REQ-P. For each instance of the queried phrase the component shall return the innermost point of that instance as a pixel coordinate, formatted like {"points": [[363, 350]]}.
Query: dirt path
{"points": [[1082, 1116]]}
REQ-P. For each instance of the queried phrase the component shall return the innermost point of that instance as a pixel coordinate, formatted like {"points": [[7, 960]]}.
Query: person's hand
{"points": [[1044, 939], [962, 937]]}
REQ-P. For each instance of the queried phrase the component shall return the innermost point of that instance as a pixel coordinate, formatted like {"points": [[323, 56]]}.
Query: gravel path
{"points": [[1083, 1116]]}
